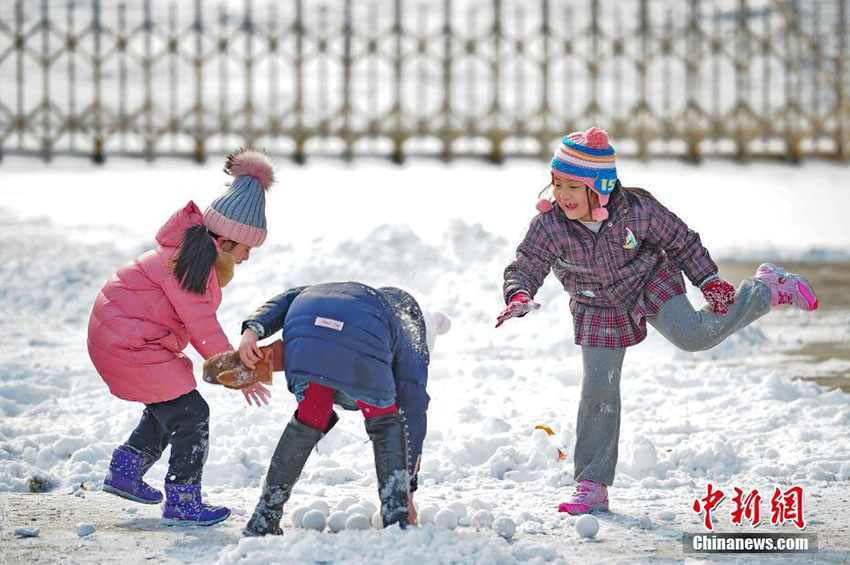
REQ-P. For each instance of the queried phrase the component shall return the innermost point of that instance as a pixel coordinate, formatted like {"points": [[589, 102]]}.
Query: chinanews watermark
{"points": [[750, 543], [786, 509]]}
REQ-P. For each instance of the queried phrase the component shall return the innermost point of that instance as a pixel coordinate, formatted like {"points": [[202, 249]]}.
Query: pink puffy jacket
{"points": [[142, 320]]}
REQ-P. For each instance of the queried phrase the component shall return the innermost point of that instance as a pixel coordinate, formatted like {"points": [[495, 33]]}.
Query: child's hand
{"points": [[519, 305], [257, 392], [249, 353], [719, 293]]}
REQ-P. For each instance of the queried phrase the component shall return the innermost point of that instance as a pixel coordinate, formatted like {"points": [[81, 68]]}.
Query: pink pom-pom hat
{"points": [[240, 213]]}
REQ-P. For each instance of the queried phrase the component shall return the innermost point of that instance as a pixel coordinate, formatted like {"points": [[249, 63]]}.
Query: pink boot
{"points": [[588, 496], [787, 288]]}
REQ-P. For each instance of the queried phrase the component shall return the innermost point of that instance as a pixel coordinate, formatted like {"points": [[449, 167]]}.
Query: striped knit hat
{"points": [[240, 213], [586, 156]]}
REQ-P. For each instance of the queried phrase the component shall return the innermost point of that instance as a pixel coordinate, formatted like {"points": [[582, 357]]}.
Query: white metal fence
{"points": [[746, 78]]}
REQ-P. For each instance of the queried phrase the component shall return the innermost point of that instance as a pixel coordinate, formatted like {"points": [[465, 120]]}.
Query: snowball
{"points": [[377, 521], [84, 529], [446, 518], [644, 522], [504, 526], [369, 506], [458, 508], [27, 532], [314, 520], [298, 516], [482, 519], [360, 509], [587, 526], [357, 522], [337, 521], [346, 502], [321, 506], [427, 513]]}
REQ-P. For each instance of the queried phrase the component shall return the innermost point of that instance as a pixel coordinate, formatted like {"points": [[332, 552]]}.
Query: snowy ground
{"points": [[732, 416]]}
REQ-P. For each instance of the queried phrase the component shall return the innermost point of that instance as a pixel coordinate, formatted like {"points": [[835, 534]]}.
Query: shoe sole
{"points": [[128, 496], [804, 287], [175, 522], [601, 508]]}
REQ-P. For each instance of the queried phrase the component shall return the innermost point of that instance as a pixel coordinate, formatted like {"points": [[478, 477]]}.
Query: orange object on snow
{"points": [[561, 455]]}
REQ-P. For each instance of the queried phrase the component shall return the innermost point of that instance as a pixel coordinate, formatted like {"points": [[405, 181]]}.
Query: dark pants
{"points": [[184, 423]]}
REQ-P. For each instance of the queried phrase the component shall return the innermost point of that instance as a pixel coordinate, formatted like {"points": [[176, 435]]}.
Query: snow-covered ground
{"points": [[731, 416]]}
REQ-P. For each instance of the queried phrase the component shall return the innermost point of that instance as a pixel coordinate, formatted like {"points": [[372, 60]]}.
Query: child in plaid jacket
{"points": [[620, 255]]}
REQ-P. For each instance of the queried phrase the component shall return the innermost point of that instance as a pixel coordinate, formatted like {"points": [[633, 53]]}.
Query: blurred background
{"points": [[396, 78]]}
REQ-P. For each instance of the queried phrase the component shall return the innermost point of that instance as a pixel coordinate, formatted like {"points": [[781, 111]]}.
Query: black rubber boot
{"points": [[292, 451], [389, 441]]}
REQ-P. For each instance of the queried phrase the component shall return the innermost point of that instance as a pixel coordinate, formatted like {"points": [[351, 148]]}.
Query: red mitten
{"points": [[719, 293], [519, 305]]}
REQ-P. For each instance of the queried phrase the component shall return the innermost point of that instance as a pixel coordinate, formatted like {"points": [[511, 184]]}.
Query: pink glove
{"points": [[719, 293], [257, 392], [519, 305]]}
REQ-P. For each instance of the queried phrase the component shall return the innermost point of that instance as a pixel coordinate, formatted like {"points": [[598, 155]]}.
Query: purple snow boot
{"points": [[184, 507], [124, 478]]}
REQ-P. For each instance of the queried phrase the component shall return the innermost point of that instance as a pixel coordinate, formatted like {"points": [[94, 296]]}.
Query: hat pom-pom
{"points": [[599, 214], [596, 138], [251, 162], [543, 206]]}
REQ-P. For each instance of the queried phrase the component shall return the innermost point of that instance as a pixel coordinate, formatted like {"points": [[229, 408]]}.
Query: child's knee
{"points": [[602, 388], [194, 413], [694, 344], [201, 409]]}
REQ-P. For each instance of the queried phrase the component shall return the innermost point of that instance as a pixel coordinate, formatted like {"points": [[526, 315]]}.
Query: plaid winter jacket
{"points": [[614, 280]]}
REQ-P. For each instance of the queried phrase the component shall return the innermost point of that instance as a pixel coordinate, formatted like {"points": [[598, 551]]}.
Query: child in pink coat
{"points": [[146, 315]]}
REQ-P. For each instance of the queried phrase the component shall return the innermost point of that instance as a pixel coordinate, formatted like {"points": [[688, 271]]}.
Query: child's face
{"points": [[571, 196], [240, 251]]}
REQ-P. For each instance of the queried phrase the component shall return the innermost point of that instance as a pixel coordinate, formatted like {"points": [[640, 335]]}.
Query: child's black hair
{"points": [[196, 259]]}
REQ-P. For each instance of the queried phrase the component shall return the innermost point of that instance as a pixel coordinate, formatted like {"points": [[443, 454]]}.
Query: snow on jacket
{"points": [[142, 321], [356, 339], [620, 274]]}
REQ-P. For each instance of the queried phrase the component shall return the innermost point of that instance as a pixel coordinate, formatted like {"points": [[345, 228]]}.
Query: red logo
{"points": [[749, 507], [785, 506], [707, 504]]}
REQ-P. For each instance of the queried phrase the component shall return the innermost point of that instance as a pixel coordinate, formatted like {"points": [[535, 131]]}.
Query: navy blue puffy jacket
{"points": [[357, 339]]}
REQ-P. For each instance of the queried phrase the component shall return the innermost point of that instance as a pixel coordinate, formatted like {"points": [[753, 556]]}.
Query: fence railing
{"points": [[495, 78]]}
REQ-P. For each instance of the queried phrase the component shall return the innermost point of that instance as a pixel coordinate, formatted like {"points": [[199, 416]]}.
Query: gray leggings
{"points": [[598, 427]]}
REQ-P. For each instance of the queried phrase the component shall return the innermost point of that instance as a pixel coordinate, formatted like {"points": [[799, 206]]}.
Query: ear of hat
{"points": [[586, 156], [436, 323], [223, 265], [240, 213]]}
